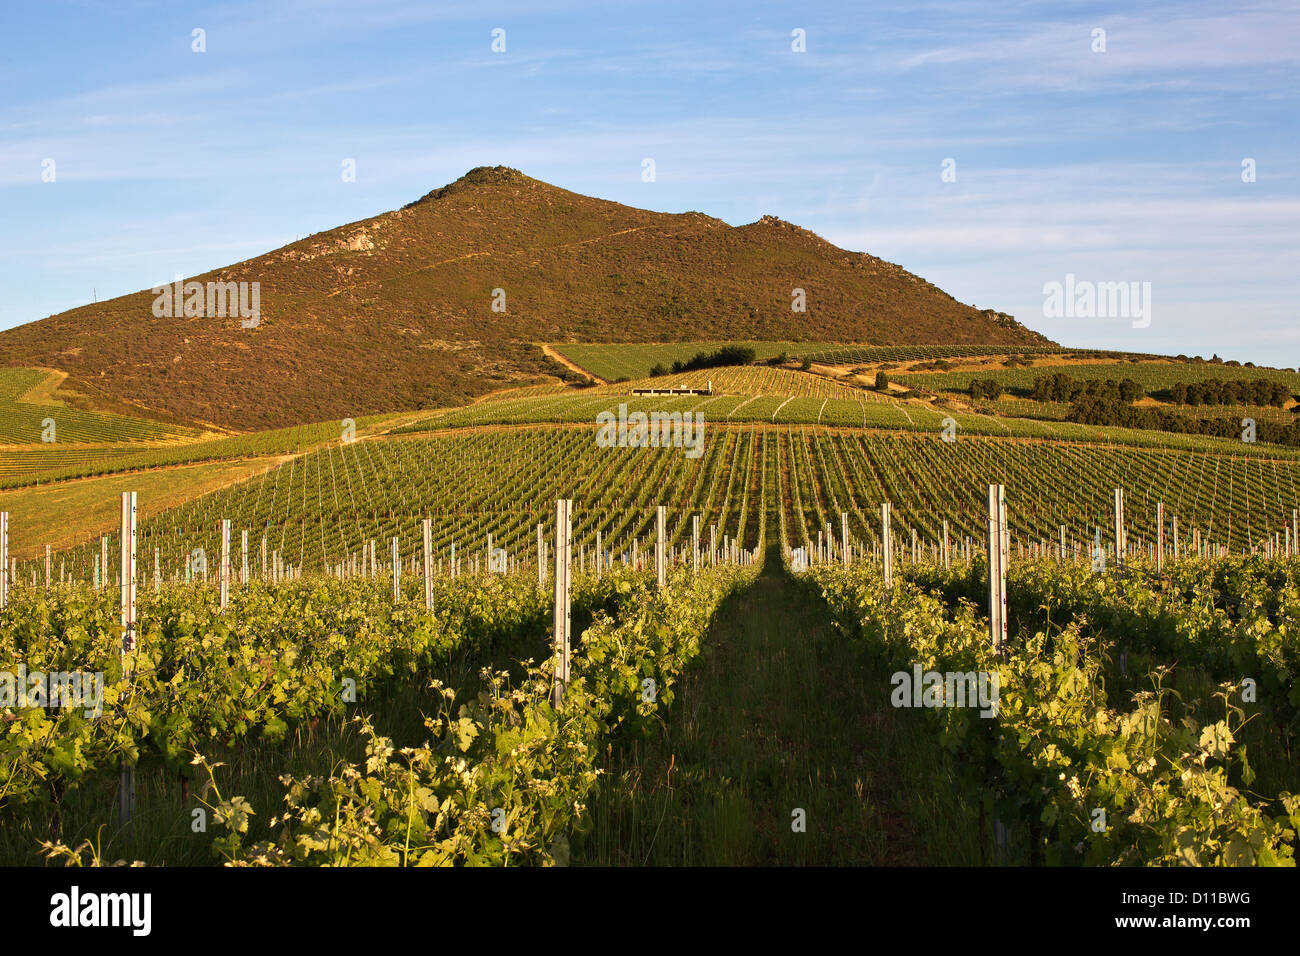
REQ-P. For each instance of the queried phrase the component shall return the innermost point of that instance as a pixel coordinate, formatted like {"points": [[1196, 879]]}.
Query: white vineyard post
{"points": [[562, 621], [947, 560], [713, 545], [1295, 529], [1120, 542], [541, 558], [48, 564], [426, 529], [4, 560], [397, 572], [1160, 537], [695, 543], [489, 552], [126, 789], [1061, 553], [661, 544], [844, 537], [600, 557], [263, 557], [243, 559], [887, 542], [103, 561], [224, 574], [998, 553]]}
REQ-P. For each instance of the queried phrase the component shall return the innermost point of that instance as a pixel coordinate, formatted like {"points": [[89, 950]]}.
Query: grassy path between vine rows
{"points": [[780, 713]]}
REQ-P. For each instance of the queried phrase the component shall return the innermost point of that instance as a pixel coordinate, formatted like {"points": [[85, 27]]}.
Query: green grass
{"points": [[781, 714], [865, 354], [66, 513], [56, 462]]}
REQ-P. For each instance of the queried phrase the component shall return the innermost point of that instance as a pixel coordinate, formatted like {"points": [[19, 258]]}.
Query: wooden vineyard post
{"points": [[223, 575], [695, 543], [1120, 542], [887, 542], [4, 560], [1160, 537], [999, 546], [126, 790], [426, 530], [563, 508], [947, 554], [661, 544], [243, 559], [844, 537], [397, 573]]}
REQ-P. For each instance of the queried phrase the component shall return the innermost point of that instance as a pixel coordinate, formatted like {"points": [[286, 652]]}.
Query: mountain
{"points": [[396, 312]]}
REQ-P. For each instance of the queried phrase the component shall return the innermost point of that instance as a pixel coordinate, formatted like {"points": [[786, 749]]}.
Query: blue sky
{"points": [[1123, 165]]}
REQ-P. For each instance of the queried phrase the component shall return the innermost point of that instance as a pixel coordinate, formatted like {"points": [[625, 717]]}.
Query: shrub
{"points": [[985, 388]]}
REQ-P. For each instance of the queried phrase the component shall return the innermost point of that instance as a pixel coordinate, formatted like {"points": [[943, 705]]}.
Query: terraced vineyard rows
{"points": [[27, 411], [324, 506], [866, 409], [1150, 375]]}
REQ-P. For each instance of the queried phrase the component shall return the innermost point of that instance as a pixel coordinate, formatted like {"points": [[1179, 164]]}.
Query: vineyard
{"points": [[1128, 694], [480, 635], [31, 412], [634, 360], [1151, 376], [324, 507]]}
